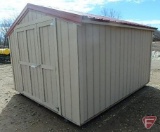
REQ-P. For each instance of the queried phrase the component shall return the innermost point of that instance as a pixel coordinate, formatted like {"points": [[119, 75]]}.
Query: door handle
{"points": [[35, 66]]}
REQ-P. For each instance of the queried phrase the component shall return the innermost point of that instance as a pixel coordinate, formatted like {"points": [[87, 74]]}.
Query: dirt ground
{"points": [[156, 46], [20, 114]]}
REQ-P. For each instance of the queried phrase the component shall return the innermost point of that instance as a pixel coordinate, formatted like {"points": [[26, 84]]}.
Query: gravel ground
{"points": [[18, 113]]}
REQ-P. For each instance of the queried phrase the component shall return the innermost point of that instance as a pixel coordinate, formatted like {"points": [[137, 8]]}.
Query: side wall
{"points": [[68, 66], [113, 63]]}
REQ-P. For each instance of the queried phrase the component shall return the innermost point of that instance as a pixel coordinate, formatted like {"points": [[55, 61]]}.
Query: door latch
{"points": [[35, 66]]}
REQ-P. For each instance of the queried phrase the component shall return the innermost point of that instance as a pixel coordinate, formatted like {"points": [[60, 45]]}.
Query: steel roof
{"points": [[76, 17]]}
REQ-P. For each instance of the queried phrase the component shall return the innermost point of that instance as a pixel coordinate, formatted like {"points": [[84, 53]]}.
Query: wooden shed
{"points": [[78, 65]]}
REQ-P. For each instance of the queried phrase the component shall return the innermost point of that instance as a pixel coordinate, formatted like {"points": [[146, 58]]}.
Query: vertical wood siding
{"points": [[15, 64], [68, 68], [68, 64], [113, 63], [98, 65], [36, 44], [32, 15]]}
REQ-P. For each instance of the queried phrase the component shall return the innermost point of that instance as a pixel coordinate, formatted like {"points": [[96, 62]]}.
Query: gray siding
{"points": [[96, 65], [67, 63], [15, 63], [68, 68], [113, 63], [32, 15]]}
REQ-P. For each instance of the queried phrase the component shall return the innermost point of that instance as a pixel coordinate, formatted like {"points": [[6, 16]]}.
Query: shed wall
{"points": [[15, 63], [31, 16], [98, 65], [67, 59], [113, 63], [68, 65]]}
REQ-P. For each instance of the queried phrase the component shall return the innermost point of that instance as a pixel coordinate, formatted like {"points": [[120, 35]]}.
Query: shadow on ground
{"points": [[22, 114]]}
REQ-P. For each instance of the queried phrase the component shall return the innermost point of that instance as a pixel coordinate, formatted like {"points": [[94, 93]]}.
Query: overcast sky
{"points": [[141, 11]]}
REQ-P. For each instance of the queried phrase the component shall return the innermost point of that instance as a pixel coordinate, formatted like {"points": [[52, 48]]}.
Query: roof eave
{"points": [[76, 18], [85, 19]]}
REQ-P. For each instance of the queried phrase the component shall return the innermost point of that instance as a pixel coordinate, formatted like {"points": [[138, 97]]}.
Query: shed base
{"points": [[46, 106], [112, 105]]}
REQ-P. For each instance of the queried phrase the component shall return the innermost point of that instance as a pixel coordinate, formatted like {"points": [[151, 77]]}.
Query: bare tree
{"points": [[4, 27], [111, 13], [156, 35], [1, 42]]}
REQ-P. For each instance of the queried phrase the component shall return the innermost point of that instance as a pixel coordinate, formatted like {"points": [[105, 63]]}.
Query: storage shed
{"points": [[78, 65]]}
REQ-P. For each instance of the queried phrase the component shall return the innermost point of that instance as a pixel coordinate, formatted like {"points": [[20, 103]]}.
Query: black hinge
{"points": [[57, 108]]}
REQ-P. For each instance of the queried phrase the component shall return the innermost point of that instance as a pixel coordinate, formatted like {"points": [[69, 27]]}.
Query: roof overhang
{"points": [[124, 24], [77, 18]]}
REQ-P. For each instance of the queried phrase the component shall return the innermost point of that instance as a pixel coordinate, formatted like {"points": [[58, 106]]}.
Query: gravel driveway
{"points": [[20, 114]]}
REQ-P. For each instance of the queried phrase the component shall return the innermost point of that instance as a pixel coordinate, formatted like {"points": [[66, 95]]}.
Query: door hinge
{"points": [[57, 108]]}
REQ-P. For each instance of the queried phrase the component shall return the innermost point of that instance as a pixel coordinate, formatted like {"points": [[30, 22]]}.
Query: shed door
{"points": [[38, 61], [46, 32]]}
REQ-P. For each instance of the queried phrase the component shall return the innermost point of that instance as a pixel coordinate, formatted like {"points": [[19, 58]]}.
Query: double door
{"points": [[38, 62]]}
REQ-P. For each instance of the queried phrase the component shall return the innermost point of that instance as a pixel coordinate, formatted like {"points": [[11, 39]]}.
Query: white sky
{"points": [[12, 8], [9, 8]]}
